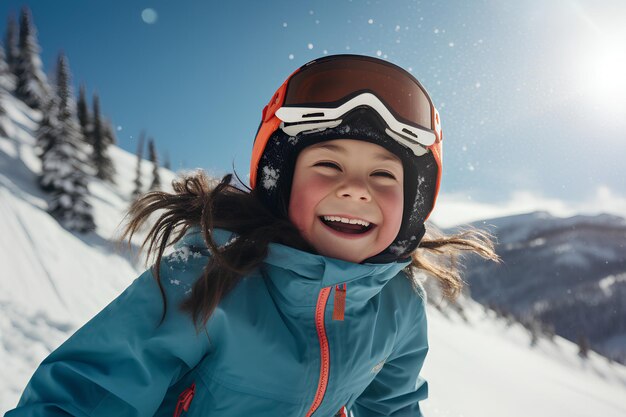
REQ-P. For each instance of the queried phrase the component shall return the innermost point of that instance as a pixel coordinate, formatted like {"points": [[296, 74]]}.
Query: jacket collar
{"points": [[331, 271]]}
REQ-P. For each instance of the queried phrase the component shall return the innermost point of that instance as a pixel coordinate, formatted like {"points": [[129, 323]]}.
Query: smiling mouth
{"points": [[345, 225]]}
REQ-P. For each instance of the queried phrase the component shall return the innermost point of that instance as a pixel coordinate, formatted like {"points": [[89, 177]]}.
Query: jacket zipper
{"points": [[184, 400], [324, 350]]}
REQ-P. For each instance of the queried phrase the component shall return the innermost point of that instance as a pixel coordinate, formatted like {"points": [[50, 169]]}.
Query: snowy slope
{"points": [[485, 368], [52, 281]]}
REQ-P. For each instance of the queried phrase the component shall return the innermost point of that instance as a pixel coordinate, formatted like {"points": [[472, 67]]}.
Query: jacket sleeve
{"points": [[398, 387], [121, 363]]}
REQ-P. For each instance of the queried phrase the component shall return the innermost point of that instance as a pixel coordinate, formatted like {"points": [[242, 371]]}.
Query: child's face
{"points": [[349, 179]]}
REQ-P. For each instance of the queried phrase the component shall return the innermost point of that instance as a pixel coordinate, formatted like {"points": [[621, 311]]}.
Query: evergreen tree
{"points": [[10, 45], [64, 165], [32, 85], [138, 184], [166, 161], [100, 158], [2, 114], [583, 346], [47, 139], [156, 178], [84, 117], [7, 80], [4, 67], [109, 132]]}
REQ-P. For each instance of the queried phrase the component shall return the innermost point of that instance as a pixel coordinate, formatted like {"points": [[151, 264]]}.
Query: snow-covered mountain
{"points": [[569, 273], [52, 281]]}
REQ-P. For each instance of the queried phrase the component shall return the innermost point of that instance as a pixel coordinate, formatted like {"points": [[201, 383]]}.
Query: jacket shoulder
{"points": [[409, 289]]}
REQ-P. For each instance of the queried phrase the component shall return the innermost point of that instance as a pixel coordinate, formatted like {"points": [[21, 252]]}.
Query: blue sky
{"points": [[530, 92]]}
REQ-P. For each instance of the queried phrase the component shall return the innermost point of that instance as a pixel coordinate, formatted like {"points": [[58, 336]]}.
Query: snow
{"points": [[270, 177], [605, 284], [486, 368], [53, 281]]}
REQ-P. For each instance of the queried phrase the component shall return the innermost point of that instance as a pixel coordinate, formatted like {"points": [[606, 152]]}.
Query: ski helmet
{"points": [[353, 97]]}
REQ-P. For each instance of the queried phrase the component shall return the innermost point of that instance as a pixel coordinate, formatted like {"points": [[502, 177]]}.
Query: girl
{"points": [[296, 297]]}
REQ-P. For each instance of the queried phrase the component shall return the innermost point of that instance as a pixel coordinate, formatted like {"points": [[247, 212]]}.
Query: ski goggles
{"points": [[320, 92]]}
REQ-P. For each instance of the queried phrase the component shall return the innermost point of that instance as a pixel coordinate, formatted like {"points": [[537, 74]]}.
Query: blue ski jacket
{"points": [[277, 345]]}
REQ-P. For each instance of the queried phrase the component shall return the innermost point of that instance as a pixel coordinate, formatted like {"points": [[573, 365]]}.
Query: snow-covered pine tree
{"points": [[100, 156], [66, 161], [156, 178], [109, 132], [10, 44], [2, 113], [31, 85], [583, 346], [47, 139], [4, 69], [84, 118], [166, 161], [138, 184]]}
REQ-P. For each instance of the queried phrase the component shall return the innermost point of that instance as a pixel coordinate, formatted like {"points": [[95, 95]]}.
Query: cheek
{"points": [[305, 195], [392, 206]]}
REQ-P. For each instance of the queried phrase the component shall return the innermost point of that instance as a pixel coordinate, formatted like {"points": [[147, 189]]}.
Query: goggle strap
{"points": [[415, 147], [308, 128]]}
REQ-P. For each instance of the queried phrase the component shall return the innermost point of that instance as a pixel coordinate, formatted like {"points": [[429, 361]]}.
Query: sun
{"points": [[604, 71]]}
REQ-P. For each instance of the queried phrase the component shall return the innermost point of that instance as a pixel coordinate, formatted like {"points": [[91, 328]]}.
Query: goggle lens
{"points": [[331, 81]]}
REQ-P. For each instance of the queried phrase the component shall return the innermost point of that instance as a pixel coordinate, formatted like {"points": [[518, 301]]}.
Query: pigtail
{"points": [[439, 256], [198, 201]]}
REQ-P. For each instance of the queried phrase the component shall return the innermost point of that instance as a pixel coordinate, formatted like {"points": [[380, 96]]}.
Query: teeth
{"points": [[344, 220]]}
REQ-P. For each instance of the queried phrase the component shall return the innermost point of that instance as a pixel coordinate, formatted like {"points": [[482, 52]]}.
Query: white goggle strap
{"points": [[293, 130], [409, 135]]}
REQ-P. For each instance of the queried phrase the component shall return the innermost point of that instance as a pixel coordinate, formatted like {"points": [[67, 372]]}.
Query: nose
{"points": [[354, 189]]}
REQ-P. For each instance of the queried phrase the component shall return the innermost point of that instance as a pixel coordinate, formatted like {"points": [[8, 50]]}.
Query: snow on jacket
{"points": [[271, 348]]}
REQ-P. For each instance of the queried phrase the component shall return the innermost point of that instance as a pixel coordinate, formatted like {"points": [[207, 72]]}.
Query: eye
{"points": [[328, 164], [384, 174]]}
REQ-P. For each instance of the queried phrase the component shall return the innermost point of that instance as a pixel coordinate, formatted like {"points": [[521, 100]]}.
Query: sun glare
{"points": [[598, 64], [605, 71]]}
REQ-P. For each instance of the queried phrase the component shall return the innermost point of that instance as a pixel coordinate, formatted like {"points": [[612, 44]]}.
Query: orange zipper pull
{"points": [[339, 306], [184, 400]]}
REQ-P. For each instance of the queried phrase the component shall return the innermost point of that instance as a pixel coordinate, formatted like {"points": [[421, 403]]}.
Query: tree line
{"points": [[72, 140]]}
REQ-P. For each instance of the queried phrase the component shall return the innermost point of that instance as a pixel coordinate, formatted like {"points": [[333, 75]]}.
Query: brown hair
{"points": [[197, 201]]}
